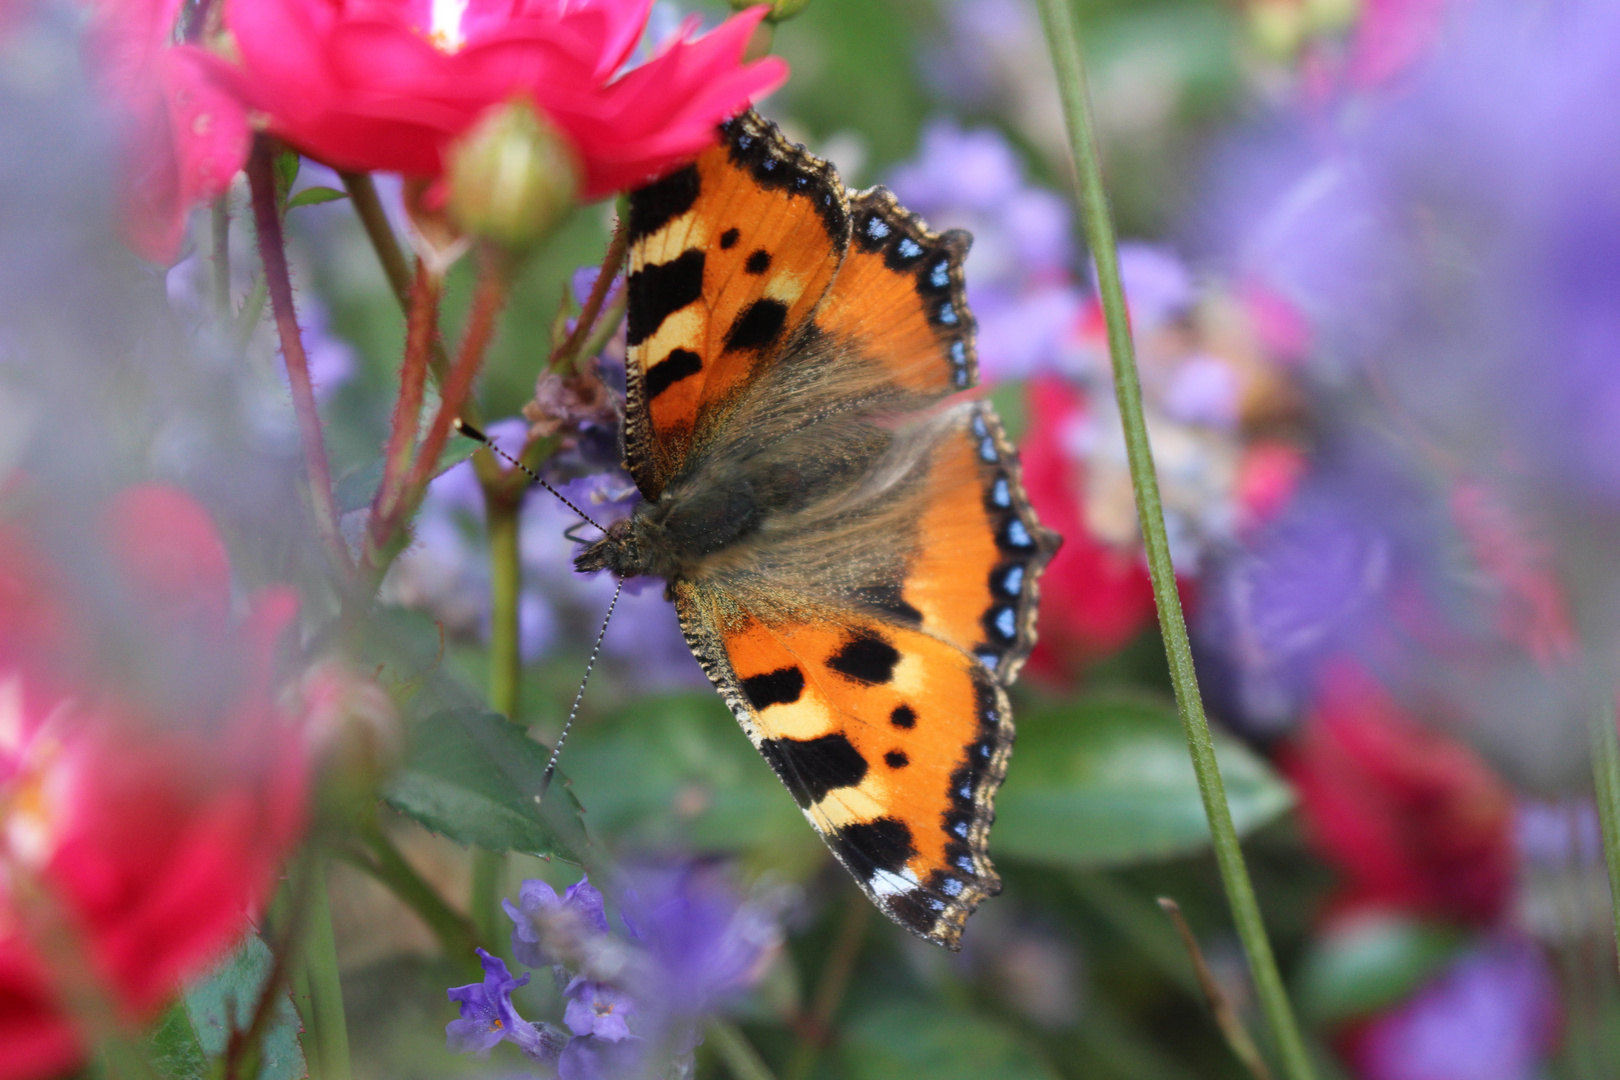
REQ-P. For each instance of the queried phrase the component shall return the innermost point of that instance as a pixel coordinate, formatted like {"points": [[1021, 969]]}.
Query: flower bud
{"points": [[512, 177], [352, 726], [781, 10]]}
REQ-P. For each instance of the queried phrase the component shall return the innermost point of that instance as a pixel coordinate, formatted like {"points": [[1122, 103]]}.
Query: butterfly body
{"points": [[844, 536]]}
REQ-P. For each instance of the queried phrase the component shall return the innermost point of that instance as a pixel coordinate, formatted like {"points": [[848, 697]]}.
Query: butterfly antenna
{"points": [[562, 737], [478, 436]]}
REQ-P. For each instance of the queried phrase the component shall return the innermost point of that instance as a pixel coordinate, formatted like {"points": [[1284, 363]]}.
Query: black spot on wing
{"points": [[658, 290], [758, 326], [916, 910], [728, 239], [903, 716], [780, 687], [896, 759], [758, 262], [887, 599], [866, 658], [662, 201], [678, 365], [812, 767], [867, 847]]}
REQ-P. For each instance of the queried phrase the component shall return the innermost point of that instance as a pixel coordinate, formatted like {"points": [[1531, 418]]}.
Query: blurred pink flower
{"points": [[1413, 819], [140, 834], [184, 136], [389, 84]]}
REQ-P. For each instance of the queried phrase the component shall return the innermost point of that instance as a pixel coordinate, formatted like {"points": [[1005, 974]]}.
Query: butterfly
{"points": [[845, 537]]}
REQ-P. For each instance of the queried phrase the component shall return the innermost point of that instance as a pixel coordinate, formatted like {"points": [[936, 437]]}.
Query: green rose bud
{"points": [[512, 177]]}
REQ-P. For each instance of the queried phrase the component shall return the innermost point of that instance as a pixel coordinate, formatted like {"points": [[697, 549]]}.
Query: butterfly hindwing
{"points": [[978, 551], [728, 258], [892, 742]]}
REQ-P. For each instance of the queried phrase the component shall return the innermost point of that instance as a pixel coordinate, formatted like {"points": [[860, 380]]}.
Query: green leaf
{"points": [[314, 196], [1109, 781], [222, 1002], [920, 1041], [1370, 963], [474, 776], [173, 1048], [355, 488], [287, 163], [675, 770]]}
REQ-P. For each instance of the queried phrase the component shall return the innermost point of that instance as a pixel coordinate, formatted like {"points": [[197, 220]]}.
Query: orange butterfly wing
{"points": [[864, 648], [728, 257]]}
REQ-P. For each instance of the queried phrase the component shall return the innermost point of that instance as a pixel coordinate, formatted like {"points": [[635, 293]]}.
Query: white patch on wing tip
{"points": [[889, 883]]}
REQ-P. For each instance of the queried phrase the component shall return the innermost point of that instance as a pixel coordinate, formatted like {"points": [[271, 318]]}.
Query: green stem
{"points": [[328, 1030], [1606, 779], [384, 861], [502, 521], [220, 226], [1063, 38], [830, 991], [737, 1052]]}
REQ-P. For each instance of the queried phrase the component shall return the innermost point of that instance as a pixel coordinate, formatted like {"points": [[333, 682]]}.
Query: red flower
{"points": [[146, 812], [1414, 819], [388, 84], [184, 138], [1094, 597]]}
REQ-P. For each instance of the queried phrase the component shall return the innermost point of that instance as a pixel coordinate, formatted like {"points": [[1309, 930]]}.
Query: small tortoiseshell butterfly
{"points": [[849, 549]]}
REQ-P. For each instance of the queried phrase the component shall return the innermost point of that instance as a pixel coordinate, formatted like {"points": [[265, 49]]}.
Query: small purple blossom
{"points": [[598, 1009], [488, 1016], [1494, 1015], [540, 917], [588, 1057], [704, 942]]}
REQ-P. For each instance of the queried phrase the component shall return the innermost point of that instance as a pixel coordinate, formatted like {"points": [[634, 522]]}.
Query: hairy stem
{"points": [[1062, 36], [273, 253], [220, 227], [570, 351], [396, 267], [420, 333], [327, 1025]]}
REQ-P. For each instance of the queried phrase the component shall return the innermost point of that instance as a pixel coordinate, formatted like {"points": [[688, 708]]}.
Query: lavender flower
{"points": [[541, 915], [488, 1017], [598, 1009], [1493, 1015]]}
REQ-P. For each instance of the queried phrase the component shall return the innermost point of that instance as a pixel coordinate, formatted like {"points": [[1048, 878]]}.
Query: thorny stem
{"points": [[1058, 17], [1606, 780], [396, 267], [834, 981], [422, 327], [273, 252], [569, 352]]}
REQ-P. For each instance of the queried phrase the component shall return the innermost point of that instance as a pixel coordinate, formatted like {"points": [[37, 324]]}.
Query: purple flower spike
{"points": [[540, 912], [598, 1009], [488, 1017]]}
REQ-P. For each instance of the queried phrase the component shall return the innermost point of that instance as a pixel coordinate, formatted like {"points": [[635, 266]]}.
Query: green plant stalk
{"points": [[328, 1031], [737, 1052], [1606, 780], [1062, 35], [384, 861], [502, 520]]}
